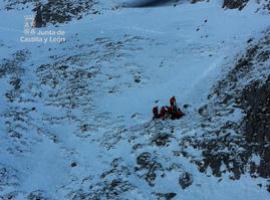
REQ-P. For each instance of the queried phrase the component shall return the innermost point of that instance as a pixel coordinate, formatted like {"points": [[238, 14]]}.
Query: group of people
{"points": [[168, 112]]}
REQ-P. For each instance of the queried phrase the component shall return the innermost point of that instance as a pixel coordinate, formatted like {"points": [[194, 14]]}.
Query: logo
{"points": [[29, 25], [34, 34]]}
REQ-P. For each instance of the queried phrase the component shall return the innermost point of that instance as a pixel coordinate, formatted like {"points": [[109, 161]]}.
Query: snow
{"points": [[159, 45]]}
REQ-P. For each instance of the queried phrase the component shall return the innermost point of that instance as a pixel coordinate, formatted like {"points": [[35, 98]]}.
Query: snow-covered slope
{"points": [[75, 117]]}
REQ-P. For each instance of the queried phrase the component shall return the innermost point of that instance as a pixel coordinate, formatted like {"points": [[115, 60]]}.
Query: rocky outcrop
{"points": [[256, 124], [236, 123], [185, 180], [235, 4]]}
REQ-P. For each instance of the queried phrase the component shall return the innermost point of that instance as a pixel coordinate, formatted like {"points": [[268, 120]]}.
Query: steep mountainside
{"points": [[77, 95]]}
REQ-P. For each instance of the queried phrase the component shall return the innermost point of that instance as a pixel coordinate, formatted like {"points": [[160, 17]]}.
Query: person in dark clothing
{"points": [[155, 112], [160, 115]]}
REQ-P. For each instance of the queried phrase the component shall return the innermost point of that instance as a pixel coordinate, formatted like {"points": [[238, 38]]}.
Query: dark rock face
{"points": [[256, 99], [63, 11], [38, 18], [235, 4], [185, 180], [150, 3], [146, 162], [241, 146], [195, 1], [54, 12]]}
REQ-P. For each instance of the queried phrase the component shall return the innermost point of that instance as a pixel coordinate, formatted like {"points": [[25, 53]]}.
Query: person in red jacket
{"points": [[163, 112], [174, 111], [172, 100]]}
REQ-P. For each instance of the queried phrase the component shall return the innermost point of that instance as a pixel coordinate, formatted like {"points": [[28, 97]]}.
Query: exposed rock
{"points": [[73, 164], [54, 12], [37, 195], [9, 196], [38, 18], [256, 102], [103, 190], [147, 162], [268, 188], [150, 3], [229, 146], [185, 180], [8, 177], [166, 196], [161, 139], [233, 4]]}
